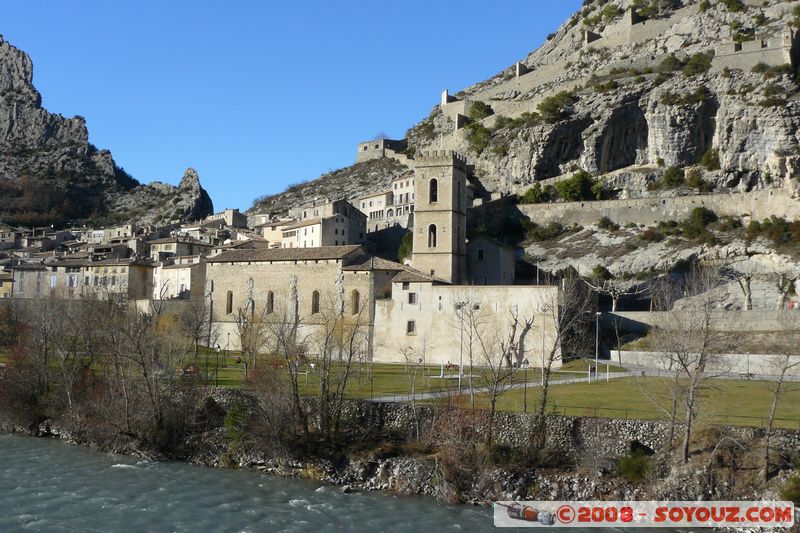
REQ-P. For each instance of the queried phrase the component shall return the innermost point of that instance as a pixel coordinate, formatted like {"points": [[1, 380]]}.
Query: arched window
{"points": [[315, 302], [432, 236], [270, 302], [355, 302], [433, 191], [229, 303]]}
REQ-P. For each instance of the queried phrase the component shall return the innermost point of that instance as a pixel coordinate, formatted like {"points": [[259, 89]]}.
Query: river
{"points": [[46, 485]]}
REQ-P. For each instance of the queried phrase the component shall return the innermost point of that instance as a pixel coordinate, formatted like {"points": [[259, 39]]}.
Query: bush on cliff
{"points": [[538, 194], [555, 108], [710, 160], [580, 187], [790, 491], [699, 63]]}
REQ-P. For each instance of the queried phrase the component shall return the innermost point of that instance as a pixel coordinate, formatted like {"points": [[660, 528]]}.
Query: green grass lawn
{"points": [[722, 401]]}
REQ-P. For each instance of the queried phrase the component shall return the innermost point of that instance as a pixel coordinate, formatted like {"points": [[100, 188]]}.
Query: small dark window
{"points": [[481, 254], [270, 302], [355, 303], [411, 327], [433, 191], [315, 302], [229, 303], [432, 236], [405, 285], [412, 297]]}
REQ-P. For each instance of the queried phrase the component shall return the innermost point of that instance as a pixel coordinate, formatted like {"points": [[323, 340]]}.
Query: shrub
{"points": [[701, 216], [695, 180], [698, 64], [729, 223], [652, 235], [673, 177], [670, 64], [634, 466], [537, 194], [796, 14], [704, 6], [734, 6], [479, 111], [554, 108], [608, 86], [760, 19], [710, 160], [607, 224], [601, 273], [478, 137], [773, 89], [577, 188], [545, 233]]}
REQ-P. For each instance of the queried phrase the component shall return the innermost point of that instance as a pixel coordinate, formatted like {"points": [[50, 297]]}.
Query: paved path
{"points": [[479, 390]]}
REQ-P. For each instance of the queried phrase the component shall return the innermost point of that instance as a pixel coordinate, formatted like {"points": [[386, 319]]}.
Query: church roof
{"points": [[368, 262], [409, 275], [285, 254]]}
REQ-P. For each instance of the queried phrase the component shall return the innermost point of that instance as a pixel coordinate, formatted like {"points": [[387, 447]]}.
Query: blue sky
{"points": [[259, 95]]}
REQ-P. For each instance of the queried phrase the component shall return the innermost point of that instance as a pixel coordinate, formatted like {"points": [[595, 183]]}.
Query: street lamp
{"points": [[525, 387], [545, 309], [596, 342], [460, 306], [218, 350]]}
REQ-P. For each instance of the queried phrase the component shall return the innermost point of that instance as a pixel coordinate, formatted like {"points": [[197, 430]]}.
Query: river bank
{"points": [[436, 452]]}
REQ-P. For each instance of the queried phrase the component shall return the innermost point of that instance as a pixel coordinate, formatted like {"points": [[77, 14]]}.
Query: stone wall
{"points": [[742, 321], [573, 436], [758, 205], [742, 364]]}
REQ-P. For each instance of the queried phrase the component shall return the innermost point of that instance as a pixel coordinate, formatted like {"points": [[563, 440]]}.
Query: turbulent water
{"points": [[49, 486], [46, 485]]}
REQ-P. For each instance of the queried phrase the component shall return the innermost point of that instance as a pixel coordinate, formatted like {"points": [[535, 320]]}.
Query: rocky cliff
{"points": [[627, 85], [51, 174]]}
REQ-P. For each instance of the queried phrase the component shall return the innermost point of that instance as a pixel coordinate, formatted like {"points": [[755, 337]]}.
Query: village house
{"points": [[185, 279], [6, 285], [162, 249], [232, 217]]}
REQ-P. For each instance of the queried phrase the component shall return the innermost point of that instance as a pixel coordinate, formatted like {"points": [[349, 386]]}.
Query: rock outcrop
{"points": [[51, 174]]}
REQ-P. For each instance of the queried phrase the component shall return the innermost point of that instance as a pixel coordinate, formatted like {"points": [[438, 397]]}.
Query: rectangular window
{"points": [[405, 285], [411, 327], [53, 281], [481, 254], [412, 297]]}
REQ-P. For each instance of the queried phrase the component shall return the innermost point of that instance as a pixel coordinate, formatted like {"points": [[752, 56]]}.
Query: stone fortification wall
{"points": [[758, 205], [742, 321]]}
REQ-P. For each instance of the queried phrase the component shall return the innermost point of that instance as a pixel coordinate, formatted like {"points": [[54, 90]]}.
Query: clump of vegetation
{"points": [[673, 177], [695, 227], [580, 187], [710, 160], [525, 120], [634, 466], [608, 86], [538, 194], [670, 64], [776, 229], [775, 71], [698, 96], [734, 6], [479, 111], [236, 427], [796, 15], [478, 137], [549, 232], [607, 224], [729, 223], [699, 63], [760, 19], [773, 101], [601, 273], [694, 179], [555, 108], [704, 6], [406, 247]]}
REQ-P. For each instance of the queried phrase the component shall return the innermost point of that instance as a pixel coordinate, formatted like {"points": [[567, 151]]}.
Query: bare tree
{"points": [[785, 283], [691, 340], [782, 363], [614, 289]]}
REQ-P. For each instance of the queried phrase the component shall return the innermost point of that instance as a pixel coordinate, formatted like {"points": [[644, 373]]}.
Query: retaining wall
{"points": [[758, 205], [743, 364]]}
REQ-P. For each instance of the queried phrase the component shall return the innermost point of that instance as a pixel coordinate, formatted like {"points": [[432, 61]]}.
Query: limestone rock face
{"points": [[51, 174]]}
